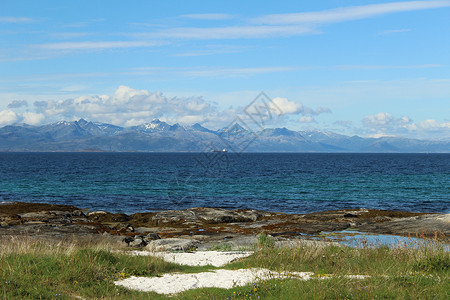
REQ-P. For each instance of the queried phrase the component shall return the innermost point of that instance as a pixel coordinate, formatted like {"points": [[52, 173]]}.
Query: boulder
{"points": [[173, 244], [97, 212], [10, 220], [95, 215], [137, 242], [78, 213], [128, 240], [151, 237], [123, 227], [204, 215], [36, 216], [46, 216], [143, 230]]}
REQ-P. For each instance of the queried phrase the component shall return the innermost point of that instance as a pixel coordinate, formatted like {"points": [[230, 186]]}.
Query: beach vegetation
{"points": [[38, 269]]}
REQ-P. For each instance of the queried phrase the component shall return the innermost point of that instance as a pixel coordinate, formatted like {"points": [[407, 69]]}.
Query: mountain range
{"points": [[159, 136]]}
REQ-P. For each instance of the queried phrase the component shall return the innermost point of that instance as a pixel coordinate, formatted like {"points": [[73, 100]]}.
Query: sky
{"points": [[367, 68]]}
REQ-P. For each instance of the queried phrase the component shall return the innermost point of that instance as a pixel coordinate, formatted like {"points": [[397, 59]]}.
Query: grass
{"points": [[72, 270], [222, 247]]}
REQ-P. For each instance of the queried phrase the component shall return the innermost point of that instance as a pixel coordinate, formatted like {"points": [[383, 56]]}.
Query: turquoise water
{"points": [[285, 182]]}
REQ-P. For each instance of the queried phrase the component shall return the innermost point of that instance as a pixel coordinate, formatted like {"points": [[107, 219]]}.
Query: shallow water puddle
{"points": [[357, 239]]}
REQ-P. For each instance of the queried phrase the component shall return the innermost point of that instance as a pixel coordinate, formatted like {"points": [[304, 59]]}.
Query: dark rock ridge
{"points": [[162, 137], [208, 226]]}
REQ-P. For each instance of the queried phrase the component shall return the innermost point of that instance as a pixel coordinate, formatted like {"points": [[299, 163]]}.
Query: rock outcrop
{"points": [[209, 226], [173, 244], [204, 215]]}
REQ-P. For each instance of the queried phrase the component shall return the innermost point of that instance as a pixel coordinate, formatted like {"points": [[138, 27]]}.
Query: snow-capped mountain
{"points": [[154, 126], [157, 135]]}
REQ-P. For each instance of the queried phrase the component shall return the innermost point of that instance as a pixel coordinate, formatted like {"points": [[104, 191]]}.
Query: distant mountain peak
{"points": [[176, 126], [234, 128], [63, 123], [199, 127], [279, 131], [154, 125], [151, 125], [158, 135]]}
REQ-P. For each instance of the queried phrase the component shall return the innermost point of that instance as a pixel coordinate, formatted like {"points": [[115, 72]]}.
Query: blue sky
{"points": [[371, 68]]}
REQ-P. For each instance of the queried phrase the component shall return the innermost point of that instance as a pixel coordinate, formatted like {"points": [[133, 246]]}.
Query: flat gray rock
{"points": [[205, 215], [172, 244]]}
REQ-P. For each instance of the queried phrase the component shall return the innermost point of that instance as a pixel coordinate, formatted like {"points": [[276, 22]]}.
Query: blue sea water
{"points": [[283, 182]]}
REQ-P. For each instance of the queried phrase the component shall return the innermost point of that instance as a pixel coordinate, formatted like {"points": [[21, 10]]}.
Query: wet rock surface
{"points": [[209, 227]]}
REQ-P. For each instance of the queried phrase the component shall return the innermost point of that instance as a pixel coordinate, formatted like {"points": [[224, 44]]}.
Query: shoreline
{"points": [[395, 213], [211, 226]]}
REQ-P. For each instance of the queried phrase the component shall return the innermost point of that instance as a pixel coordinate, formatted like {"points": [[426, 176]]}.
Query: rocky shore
{"points": [[206, 228]]}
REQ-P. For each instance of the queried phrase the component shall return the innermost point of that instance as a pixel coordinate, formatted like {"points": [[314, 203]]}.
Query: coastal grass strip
{"points": [[71, 270], [346, 261]]}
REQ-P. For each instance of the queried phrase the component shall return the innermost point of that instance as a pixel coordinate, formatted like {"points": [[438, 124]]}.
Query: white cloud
{"points": [[306, 119], [96, 45], [7, 117], [430, 129], [69, 35], [344, 123], [432, 125], [384, 120], [349, 13], [318, 111], [380, 135], [214, 49], [31, 118], [268, 26], [208, 16], [230, 32], [125, 94], [385, 124], [392, 31], [128, 107], [15, 20], [385, 67], [84, 23], [18, 104], [211, 71], [233, 72], [191, 119], [286, 106], [132, 122]]}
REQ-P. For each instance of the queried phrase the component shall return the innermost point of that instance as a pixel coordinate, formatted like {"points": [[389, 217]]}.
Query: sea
{"points": [[279, 182]]}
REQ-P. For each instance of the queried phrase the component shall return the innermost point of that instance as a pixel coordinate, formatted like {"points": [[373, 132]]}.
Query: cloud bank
{"points": [[8, 117], [385, 124], [129, 107]]}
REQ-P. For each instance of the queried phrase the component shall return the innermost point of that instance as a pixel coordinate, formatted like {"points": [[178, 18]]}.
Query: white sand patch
{"points": [[198, 258], [226, 279]]}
